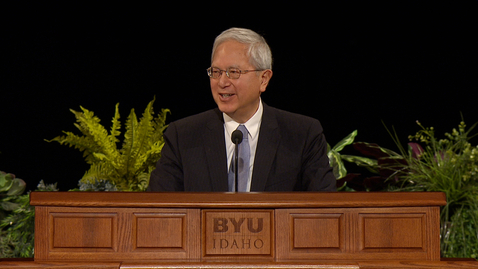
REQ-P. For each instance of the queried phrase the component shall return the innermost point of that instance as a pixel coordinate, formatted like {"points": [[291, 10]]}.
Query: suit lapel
{"points": [[215, 147], [269, 138]]}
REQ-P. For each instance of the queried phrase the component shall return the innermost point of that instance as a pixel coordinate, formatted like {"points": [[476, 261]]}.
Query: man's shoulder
{"points": [[201, 119]]}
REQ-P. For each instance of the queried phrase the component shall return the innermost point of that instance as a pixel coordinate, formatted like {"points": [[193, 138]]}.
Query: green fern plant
{"points": [[125, 169]]}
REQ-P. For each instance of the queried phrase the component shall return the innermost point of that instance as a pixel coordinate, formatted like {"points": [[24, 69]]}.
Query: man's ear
{"points": [[265, 78]]}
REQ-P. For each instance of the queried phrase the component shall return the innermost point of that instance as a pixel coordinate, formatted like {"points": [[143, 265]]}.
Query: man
{"points": [[284, 151]]}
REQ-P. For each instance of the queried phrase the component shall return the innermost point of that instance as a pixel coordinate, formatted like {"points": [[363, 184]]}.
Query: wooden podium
{"points": [[237, 230]]}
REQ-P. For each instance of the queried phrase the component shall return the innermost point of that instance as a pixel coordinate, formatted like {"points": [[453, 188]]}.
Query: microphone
{"points": [[236, 138]]}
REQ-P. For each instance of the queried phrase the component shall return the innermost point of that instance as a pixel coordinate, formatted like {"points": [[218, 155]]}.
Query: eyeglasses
{"points": [[233, 73]]}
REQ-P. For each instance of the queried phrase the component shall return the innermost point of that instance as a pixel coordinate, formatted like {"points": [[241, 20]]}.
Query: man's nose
{"points": [[224, 80]]}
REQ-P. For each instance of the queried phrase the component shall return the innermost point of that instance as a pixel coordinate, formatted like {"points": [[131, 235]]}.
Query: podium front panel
{"points": [[358, 233], [277, 228], [115, 234]]}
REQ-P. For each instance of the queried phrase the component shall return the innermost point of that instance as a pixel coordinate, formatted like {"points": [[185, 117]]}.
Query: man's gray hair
{"points": [[260, 55]]}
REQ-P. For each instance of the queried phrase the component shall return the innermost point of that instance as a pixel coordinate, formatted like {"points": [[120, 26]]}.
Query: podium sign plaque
{"points": [[238, 232]]}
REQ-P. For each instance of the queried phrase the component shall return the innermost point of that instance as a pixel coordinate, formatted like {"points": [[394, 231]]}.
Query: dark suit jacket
{"points": [[291, 155]]}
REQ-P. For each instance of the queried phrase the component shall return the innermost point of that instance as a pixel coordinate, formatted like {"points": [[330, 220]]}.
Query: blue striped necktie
{"points": [[243, 163]]}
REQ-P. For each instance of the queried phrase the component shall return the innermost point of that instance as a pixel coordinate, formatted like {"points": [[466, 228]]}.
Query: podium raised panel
{"points": [[406, 233], [83, 231], [159, 230], [392, 232], [306, 234], [317, 231]]}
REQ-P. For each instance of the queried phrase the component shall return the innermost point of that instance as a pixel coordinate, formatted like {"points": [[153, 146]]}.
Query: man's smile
{"points": [[226, 95]]}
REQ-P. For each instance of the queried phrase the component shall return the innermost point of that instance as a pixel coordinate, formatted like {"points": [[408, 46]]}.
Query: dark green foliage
{"points": [[18, 225]]}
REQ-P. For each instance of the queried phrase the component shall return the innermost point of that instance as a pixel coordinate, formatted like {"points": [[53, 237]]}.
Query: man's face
{"points": [[238, 98]]}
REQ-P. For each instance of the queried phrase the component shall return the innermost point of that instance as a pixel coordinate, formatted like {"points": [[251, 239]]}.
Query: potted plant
{"points": [[118, 169], [448, 165]]}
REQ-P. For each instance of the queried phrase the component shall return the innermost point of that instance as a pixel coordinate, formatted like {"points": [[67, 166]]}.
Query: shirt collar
{"points": [[252, 124]]}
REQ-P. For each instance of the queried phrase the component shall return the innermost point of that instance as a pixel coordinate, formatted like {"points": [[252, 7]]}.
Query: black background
{"points": [[351, 65]]}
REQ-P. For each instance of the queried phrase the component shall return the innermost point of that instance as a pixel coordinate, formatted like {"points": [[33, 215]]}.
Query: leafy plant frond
{"points": [[349, 139], [368, 163], [115, 126], [335, 158]]}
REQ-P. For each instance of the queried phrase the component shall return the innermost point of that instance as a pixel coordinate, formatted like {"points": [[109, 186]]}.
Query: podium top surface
{"points": [[238, 200]]}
